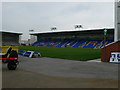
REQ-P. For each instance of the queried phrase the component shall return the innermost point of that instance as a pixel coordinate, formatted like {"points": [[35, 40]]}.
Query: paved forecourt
{"points": [[51, 72]]}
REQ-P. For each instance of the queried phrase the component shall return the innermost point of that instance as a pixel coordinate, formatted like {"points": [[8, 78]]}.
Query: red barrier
{"points": [[8, 58]]}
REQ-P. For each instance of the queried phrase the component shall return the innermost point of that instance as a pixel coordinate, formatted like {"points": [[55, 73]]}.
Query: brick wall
{"points": [[106, 52]]}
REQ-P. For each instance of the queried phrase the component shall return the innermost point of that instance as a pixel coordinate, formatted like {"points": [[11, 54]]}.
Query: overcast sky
{"points": [[41, 16]]}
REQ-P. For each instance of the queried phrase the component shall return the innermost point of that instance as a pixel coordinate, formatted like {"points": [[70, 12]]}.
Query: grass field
{"points": [[81, 54]]}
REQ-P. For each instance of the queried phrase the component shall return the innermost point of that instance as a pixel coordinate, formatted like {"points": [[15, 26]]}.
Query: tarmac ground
{"points": [[60, 73]]}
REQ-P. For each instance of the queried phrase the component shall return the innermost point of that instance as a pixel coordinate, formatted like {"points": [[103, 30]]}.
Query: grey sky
{"points": [[41, 16], [0, 22]]}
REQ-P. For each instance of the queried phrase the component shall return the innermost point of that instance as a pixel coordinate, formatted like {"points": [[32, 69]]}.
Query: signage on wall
{"points": [[115, 57]]}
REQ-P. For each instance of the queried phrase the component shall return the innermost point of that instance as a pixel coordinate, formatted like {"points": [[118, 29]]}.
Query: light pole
{"points": [[105, 34]]}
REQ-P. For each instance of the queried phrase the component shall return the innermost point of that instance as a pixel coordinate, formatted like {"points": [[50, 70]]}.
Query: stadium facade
{"points": [[9, 37], [84, 38], [87, 34]]}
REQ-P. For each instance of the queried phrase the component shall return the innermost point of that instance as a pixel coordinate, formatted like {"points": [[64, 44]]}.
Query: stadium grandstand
{"points": [[86, 38], [9, 38]]}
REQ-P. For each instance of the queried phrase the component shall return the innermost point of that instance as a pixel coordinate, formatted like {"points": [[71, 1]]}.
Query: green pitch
{"points": [[81, 54]]}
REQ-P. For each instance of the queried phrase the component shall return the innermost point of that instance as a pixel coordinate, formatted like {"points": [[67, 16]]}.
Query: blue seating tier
{"points": [[70, 43]]}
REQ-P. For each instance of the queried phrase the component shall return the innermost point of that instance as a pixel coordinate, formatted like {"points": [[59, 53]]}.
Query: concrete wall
{"points": [[117, 21], [33, 39], [0, 38]]}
